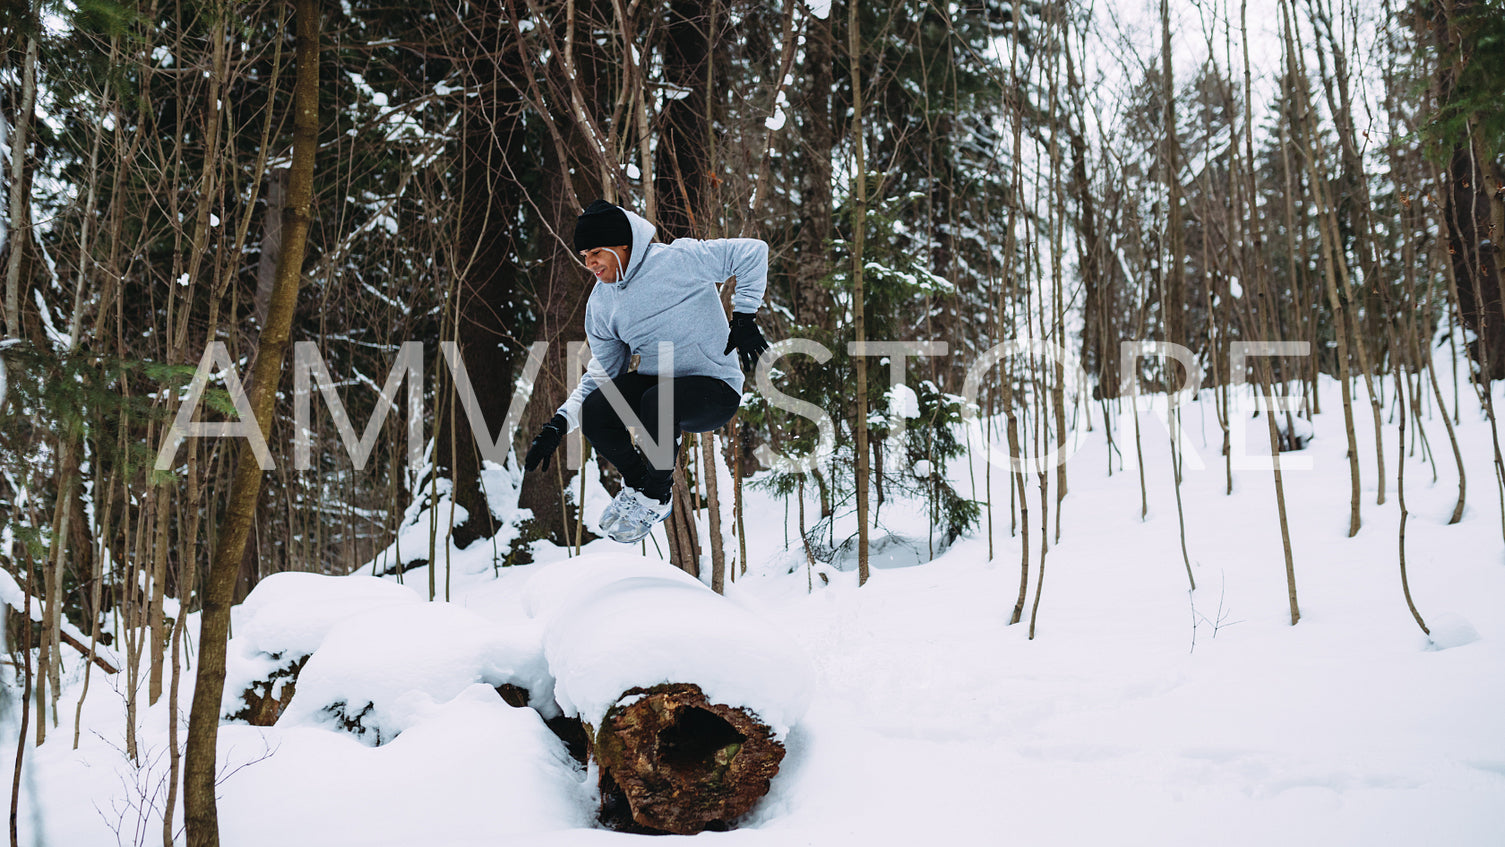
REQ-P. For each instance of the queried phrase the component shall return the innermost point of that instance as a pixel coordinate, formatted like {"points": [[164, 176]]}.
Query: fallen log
{"points": [[267, 698], [279, 625], [84, 649], [686, 698], [679, 763], [13, 596]]}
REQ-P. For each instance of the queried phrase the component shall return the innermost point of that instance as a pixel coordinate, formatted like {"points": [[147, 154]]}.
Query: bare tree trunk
{"points": [[1173, 300], [859, 302], [96, 580], [1472, 218], [682, 169], [1307, 150], [575, 161], [1342, 112], [1017, 486], [1099, 353], [1400, 494], [1057, 223], [1262, 280], [69, 473], [189, 551], [1452, 435], [271, 245], [811, 300], [1471, 206], [741, 524], [200, 810], [157, 586], [20, 232], [713, 503], [684, 537], [15, 783], [484, 276]]}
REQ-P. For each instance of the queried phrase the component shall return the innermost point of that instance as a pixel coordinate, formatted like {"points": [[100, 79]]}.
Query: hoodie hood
{"points": [[642, 235]]}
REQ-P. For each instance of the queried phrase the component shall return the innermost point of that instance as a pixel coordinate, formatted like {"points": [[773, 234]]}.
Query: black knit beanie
{"points": [[602, 225]]}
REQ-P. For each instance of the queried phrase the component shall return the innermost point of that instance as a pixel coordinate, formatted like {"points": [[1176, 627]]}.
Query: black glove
{"points": [[747, 339], [546, 442]]}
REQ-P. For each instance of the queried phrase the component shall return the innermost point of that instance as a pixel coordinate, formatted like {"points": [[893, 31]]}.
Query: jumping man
{"points": [[660, 303]]}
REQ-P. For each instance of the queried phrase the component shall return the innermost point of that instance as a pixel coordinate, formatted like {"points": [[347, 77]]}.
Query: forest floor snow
{"points": [[1140, 713]]}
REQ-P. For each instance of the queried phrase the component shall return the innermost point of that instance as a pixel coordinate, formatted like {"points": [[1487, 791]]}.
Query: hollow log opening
{"points": [[698, 744], [681, 764]]}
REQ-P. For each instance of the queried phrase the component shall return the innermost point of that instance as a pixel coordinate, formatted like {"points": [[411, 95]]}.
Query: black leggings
{"points": [[696, 404]]}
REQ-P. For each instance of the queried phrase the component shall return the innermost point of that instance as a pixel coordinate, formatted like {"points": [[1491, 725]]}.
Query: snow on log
{"points": [[12, 595], [686, 696], [382, 671], [279, 625]]}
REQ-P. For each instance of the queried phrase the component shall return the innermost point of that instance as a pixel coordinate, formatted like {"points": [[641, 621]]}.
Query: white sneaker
{"points": [[638, 515], [613, 512]]}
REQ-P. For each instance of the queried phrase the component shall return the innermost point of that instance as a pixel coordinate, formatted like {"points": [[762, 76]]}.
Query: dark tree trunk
{"points": [[1473, 212], [1468, 212], [557, 284], [483, 322], [560, 290], [684, 536], [812, 265], [681, 168], [681, 184], [271, 244], [1099, 346], [673, 761]]}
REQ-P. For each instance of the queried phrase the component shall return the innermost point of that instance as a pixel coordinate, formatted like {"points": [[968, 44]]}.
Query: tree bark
{"points": [[811, 300], [1306, 149], [1472, 202], [271, 245], [200, 812], [859, 304], [713, 505], [682, 178], [1173, 285], [558, 287], [1467, 211], [1255, 233], [684, 537], [673, 761], [19, 228], [682, 169], [485, 273], [1099, 351]]}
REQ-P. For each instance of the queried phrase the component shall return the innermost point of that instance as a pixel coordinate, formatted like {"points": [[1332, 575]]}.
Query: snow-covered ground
{"points": [[1139, 714]]}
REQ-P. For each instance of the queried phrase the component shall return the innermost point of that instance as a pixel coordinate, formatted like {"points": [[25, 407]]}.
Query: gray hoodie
{"points": [[669, 293]]}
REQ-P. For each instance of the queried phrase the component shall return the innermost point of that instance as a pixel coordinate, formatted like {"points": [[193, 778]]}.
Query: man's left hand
{"points": [[746, 339]]}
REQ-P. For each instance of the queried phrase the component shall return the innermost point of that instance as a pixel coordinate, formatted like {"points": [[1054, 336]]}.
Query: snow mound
{"points": [[285, 618], [617, 622], [288, 614], [885, 552], [475, 771], [380, 672], [1450, 630], [559, 584], [1295, 431]]}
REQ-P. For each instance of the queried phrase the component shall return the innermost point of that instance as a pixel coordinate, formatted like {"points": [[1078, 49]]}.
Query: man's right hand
{"points": [[545, 443]]}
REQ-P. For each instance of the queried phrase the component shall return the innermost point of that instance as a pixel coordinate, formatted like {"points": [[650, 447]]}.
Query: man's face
{"points": [[607, 263]]}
